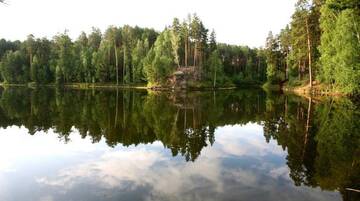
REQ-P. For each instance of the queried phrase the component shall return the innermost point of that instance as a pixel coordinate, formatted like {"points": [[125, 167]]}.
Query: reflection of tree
{"points": [[338, 138], [184, 123], [322, 139]]}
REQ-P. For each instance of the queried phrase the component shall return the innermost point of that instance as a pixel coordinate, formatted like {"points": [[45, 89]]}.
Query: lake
{"points": [[91, 145]]}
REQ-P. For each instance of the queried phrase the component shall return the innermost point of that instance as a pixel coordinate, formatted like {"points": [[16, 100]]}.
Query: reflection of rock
{"points": [[189, 101]]}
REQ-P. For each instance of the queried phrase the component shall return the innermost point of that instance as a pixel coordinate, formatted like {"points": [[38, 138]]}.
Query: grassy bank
{"points": [[317, 90], [77, 85]]}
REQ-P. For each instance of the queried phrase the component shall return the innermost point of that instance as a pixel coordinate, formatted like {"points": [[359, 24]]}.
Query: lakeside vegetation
{"points": [[184, 51], [319, 49], [318, 52]]}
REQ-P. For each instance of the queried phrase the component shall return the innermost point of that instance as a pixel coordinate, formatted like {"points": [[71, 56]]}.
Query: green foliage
{"points": [[274, 59], [327, 47], [335, 63], [59, 75], [138, 56], [242, 64], [65, 60], [215, 66], [101, 66], [135, 55], [160, 60], [8, 46], [34, 70], [339, 49], [337, 143], [13, 69]]}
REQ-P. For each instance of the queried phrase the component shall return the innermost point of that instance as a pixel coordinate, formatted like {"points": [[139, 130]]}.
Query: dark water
{"points": [[62, 145]]}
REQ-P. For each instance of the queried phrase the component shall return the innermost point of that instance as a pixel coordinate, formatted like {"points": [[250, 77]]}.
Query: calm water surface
{"points": [[62, 145]]}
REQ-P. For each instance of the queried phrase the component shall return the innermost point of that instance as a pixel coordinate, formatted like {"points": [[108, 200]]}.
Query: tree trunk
{"points": [[286, 67], [174, 127], [124, 112], [215, 78], [116, 64], [309, 50], [258, 68], [117, 107], [186, 50], [195, 52], [124, 65], [299, 69], [31, 58], [307, 127], [286, 107], [302, 70]]}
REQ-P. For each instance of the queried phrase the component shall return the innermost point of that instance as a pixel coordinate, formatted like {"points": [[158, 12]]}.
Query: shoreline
{"points": [[89, 86], [317, 92]]}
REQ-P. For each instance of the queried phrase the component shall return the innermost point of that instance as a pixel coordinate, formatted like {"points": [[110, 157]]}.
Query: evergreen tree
{"points": [[161, 60], [138, 55], [34, 75], [340, 43], [216, 68], [65, 60]]}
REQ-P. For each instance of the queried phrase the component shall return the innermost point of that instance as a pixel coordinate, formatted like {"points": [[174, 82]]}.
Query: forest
{"points": [[132, 55], [319, 47]]}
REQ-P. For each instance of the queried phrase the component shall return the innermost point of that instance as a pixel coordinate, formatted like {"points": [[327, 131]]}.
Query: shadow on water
{"points": [[322, 139]]}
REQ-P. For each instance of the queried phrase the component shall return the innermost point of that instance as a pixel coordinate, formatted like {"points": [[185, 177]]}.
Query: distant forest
{"points": [[131, 55], [320, 46]]}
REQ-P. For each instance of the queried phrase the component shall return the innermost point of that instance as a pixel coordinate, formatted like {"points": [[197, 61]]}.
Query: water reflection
{"points": [[244, 145]]}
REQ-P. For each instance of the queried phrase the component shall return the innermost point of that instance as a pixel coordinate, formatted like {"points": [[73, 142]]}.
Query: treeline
{"points": [[320, 45], [130, 55], [243, 64], [112, 56]]}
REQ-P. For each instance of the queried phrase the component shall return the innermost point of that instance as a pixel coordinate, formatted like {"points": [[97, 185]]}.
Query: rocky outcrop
{"points": [[181, 77]]}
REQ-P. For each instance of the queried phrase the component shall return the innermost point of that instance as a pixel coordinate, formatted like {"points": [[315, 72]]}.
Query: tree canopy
{"points": [[322, 43], [132, 55]]}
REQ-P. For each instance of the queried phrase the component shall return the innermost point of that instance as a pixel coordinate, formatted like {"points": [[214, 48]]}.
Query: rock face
{"points": [[181, 77]]}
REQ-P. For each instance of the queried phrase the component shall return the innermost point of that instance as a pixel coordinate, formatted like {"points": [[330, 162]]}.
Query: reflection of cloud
{"points": [[281, 172], [244, 177], [6, 165], [245, 140], [46, 198], [239, 165], [109, 171], [140, 168], [20, 146]]}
